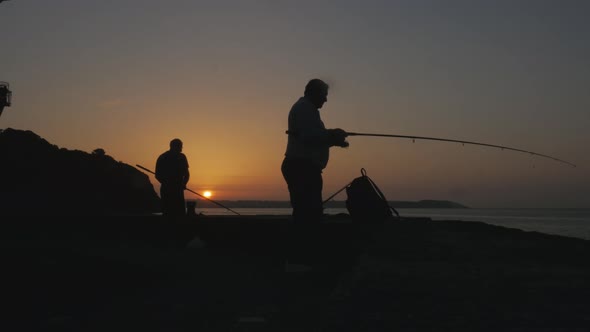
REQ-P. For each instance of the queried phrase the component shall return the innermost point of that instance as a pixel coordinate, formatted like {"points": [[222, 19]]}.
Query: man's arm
{"points": [[307, 126], [338, 137], [311, 131], [159, 175], [187, 174]]}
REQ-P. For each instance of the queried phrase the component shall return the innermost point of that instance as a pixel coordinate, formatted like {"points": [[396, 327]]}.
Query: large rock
{"points": [[39, 178]]}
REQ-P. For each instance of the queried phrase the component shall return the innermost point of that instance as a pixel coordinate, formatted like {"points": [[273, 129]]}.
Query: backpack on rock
{"points": [[366, 203]]}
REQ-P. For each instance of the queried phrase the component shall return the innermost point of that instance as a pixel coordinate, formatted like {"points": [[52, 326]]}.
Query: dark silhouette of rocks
{"points": [[39, 178], [144, 274]]}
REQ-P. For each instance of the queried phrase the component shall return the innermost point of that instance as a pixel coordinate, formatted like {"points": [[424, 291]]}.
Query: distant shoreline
{"points": [[423, 204]]}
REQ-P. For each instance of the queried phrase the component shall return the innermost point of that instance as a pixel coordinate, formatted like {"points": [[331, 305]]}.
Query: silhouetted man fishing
{"points": [[172, 172], [307, 154]]}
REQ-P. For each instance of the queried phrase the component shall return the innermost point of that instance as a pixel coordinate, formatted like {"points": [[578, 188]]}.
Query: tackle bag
{"points": [[366, 203]]}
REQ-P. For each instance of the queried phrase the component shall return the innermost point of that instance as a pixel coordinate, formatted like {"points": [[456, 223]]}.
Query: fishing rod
{"points": [[336, 193], [194, 192], [458, 141]]}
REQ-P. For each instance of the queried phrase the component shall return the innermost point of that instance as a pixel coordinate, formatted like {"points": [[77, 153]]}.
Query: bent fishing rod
{"points": [[194, 192], [458, 141]]}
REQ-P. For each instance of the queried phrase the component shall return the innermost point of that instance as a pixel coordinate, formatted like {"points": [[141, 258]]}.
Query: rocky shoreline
{"points": [[226, 274]]}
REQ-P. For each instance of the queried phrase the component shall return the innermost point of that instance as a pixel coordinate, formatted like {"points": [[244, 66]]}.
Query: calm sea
{"points": [[566, 222]]}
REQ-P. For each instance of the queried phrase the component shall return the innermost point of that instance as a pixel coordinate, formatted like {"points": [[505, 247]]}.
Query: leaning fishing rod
{"points": [[336, 193], [463, 142], [194, 192], [459, 141]]}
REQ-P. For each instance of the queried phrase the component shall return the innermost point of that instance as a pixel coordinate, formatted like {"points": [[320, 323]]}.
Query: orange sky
{"points": [[129, 76]]}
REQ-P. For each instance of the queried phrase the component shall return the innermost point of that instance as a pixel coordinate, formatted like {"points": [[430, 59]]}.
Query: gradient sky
{"points": [[128, 76]]}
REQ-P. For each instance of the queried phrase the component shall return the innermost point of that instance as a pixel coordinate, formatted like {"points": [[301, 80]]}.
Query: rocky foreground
{"points": [[148, 274]]}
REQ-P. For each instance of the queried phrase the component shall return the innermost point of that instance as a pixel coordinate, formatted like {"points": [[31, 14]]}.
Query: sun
{"points": [[207, 194]]}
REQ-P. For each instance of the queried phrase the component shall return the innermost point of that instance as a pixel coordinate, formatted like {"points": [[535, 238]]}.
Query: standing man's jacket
{"points": [[308, 139], [172, 169]]}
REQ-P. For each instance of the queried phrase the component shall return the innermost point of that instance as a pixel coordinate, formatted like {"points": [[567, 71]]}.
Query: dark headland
{"points": [[84, 272]]}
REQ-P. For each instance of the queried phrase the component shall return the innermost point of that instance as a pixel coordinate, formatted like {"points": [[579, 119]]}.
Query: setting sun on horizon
{"points": [[207, 194], [223, 76]]}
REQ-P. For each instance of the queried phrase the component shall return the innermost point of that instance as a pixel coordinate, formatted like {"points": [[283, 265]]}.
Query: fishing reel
{"points": [[5, 94]]}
